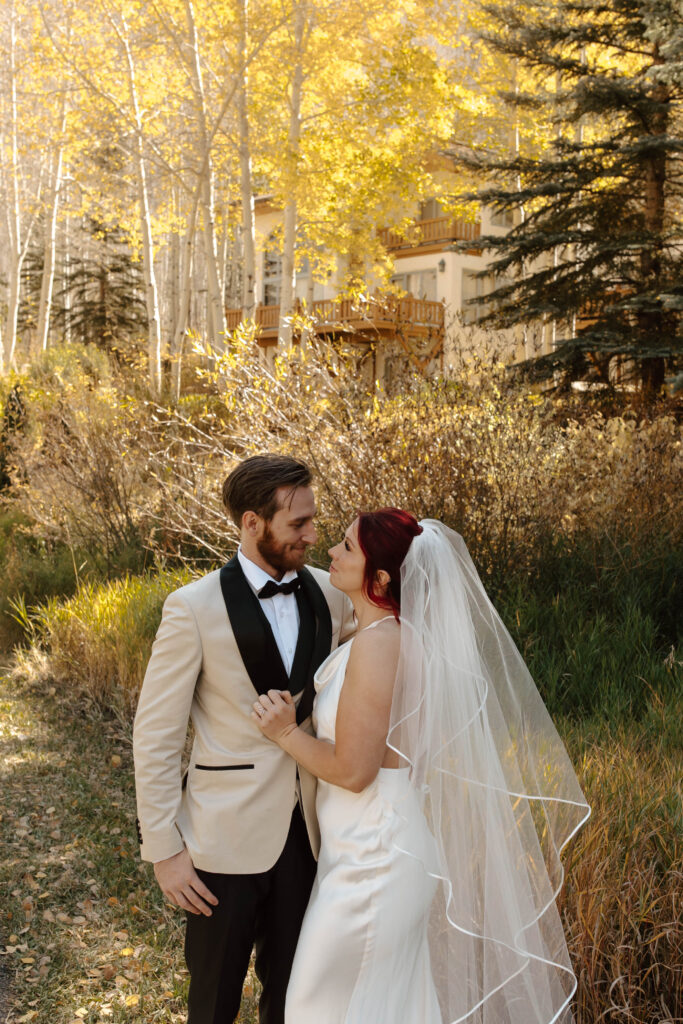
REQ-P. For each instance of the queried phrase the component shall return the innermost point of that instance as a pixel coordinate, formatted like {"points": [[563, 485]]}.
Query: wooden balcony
{"points": [[429, 235], [381, 316]]}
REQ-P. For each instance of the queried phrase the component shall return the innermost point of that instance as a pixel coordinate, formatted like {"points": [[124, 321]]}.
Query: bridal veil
{"points": [[499, 793]]}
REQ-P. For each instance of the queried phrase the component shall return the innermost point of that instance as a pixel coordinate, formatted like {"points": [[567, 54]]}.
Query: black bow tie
{"points": [[272, 588]]}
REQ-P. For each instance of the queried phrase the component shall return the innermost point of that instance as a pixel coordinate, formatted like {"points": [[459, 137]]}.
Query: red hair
{"points": [[384, 537]]}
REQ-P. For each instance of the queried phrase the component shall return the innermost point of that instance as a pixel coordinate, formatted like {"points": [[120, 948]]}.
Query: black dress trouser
{"points": [[263, 910]]}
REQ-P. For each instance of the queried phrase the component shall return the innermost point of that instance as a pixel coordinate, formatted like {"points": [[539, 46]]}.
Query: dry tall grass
{"points": [[623, 899], [99, 641]]}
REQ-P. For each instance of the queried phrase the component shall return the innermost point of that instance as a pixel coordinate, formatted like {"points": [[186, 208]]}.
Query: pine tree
{"points": [[100, 301], [598, 247]]}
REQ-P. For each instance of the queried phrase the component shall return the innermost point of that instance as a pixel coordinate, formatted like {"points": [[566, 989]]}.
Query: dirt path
{"points": [[84, 935], [4, 994]]}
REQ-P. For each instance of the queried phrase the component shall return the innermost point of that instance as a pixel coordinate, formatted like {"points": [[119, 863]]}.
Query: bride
{"points": [[445, 797]]}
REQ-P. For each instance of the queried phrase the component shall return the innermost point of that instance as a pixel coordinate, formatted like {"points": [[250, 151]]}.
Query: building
{"points": [[430, 312]]}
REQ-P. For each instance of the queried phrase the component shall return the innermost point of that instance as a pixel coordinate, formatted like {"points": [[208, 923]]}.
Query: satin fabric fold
{"points": [[363, 953]]}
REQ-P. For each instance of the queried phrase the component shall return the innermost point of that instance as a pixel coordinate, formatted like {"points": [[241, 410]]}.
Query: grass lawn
{"points": [[84, 934]]}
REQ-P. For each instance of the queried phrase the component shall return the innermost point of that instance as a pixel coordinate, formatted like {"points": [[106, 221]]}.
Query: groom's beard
{"points": [[281, 557]]}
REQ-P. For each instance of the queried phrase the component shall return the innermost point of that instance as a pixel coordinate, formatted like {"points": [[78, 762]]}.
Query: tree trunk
{"points": [[246, 187], [288, 289], [47, 282], [151, 291], [174, 272], [215, 311], [185, 290], [13, 211], [19, 239]]}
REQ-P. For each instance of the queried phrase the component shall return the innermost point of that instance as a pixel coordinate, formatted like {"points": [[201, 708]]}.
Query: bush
{"points": [[76, 471], [599, 628], [99, 641], [31, 570], [506, 467]]}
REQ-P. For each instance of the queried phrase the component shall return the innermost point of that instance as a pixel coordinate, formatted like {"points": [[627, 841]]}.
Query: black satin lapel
{"points": [[305, 643], [253, 635], [322, 642]]}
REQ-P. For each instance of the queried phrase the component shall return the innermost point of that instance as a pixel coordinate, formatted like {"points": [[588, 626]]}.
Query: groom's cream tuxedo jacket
{"points": [[213, 653]]}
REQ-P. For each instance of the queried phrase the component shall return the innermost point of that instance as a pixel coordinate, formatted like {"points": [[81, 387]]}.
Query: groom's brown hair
{"points": [[252, 486]]}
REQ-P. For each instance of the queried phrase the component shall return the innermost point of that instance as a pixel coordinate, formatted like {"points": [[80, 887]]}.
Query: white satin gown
{"points": [[363, 955]]}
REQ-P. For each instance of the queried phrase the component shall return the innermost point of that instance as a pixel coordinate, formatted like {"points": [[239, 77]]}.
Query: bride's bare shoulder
{"points": [[376, 646]]}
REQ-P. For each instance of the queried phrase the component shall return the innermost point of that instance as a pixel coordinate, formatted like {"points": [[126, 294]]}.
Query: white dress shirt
{"points": [[281, 610]]}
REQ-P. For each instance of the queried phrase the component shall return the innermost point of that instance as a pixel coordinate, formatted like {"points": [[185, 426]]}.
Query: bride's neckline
{"points": [[375, 623]]}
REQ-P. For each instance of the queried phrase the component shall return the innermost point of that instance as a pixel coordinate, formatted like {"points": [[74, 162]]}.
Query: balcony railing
{"points": [[430, 232], [382, 314]]}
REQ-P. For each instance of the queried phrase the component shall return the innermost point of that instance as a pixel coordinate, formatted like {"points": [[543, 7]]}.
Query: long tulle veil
{"points": [[500, 794]]}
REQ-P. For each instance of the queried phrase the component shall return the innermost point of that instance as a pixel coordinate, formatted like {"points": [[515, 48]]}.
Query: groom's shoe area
{"points": [[244, 817]]}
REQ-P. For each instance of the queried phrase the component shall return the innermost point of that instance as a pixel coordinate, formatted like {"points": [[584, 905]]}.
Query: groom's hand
{"points": [[182, 886]]}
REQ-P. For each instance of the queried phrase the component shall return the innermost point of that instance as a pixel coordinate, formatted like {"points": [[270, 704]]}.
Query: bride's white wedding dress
{"points": [[363, 954]]}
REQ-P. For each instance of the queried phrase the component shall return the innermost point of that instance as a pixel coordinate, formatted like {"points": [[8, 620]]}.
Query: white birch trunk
{"points": [[13, 211], [288, 288], [216, 312], [185, 290], [151, 291], [47, 281], [19, 239], [173, 274], [246, 187]]}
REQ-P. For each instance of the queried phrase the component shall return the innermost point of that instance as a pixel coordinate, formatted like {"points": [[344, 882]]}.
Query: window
{"points": [[420, 283], [503, 218], [272, 273], [430, 209], [474, 290]]}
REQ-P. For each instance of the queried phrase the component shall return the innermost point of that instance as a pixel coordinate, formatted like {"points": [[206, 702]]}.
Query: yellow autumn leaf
{"points": [[132, 1000]]}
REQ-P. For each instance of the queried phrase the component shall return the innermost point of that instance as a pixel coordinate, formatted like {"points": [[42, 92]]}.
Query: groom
{"points": [[234, 842]]}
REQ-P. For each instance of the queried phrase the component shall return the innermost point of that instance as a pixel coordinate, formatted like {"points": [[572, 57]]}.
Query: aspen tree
{"points": [[22, 171]]}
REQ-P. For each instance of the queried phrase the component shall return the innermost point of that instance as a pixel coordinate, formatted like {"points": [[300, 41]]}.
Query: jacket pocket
{"points": [[222, 767]]}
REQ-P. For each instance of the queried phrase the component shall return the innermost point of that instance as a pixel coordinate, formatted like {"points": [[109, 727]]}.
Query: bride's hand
{"points": [[275, 714]]}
